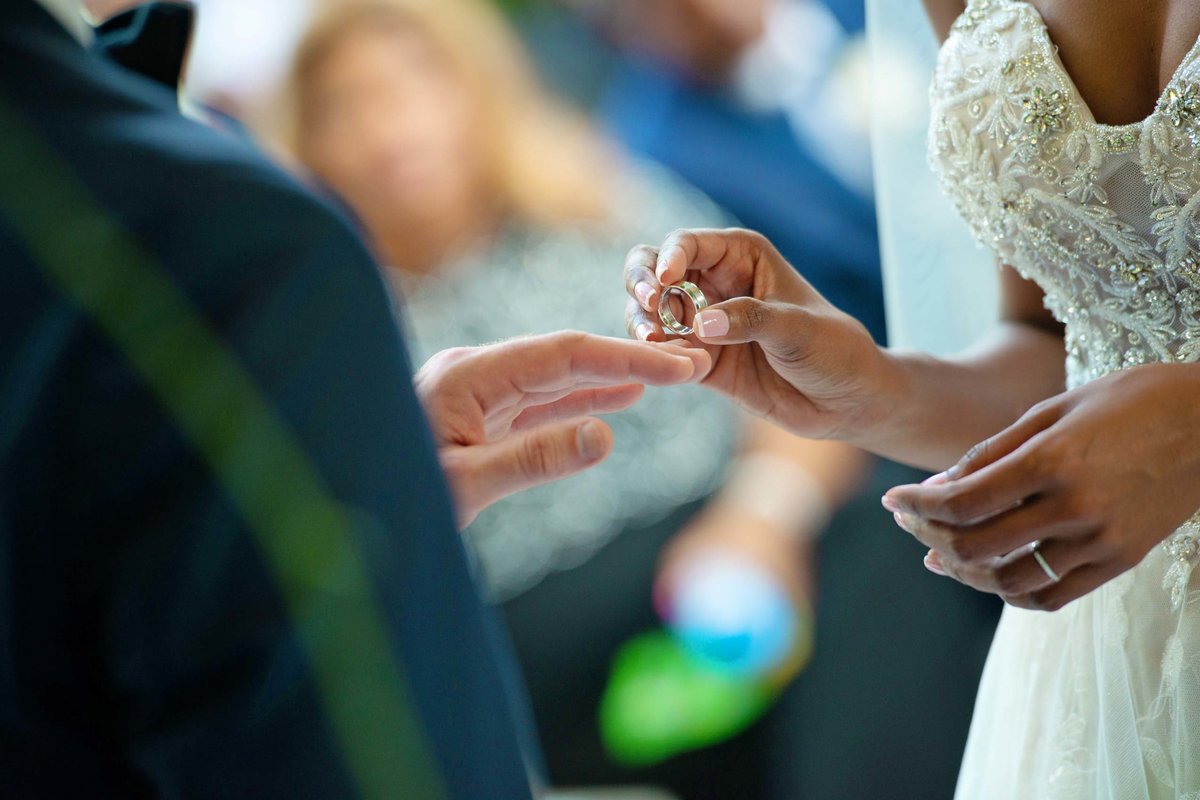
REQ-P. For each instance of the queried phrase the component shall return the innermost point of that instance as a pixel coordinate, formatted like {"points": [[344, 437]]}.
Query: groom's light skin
{"points": [[511, 416]]}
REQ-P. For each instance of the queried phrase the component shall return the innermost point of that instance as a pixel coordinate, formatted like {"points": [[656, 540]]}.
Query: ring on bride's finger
{"points": [[1041, 559], [683, 289]]}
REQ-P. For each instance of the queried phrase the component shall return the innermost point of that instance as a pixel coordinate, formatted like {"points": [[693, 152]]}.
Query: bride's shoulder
{"points": [[942, 14]]}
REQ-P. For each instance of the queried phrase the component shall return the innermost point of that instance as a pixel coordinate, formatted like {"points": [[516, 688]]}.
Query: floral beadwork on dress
{"points": [[1184, 551], [1106, 219]]}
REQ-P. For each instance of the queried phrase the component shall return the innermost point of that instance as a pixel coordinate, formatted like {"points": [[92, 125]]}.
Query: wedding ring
{"points": [[683, 289], [1041, 559]]}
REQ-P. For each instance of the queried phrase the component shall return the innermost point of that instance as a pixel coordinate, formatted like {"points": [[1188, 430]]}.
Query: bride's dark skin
{"points": [[1119, 54], [1100, 474]]}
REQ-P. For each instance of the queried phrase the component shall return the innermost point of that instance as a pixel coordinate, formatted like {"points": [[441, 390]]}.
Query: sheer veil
{"points": [[941, 288]]}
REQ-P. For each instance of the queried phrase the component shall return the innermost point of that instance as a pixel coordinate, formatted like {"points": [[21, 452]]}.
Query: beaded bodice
{"points": [[1106, 219]]}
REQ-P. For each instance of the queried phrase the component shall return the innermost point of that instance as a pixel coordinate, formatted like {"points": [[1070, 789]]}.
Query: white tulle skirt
{"points": [[1098, 701]]}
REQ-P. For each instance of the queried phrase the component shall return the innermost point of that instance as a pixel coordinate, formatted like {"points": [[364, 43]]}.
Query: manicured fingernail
{"points": [[890, 503], [644, 292], [936, 480], [712, 323], [934, 564], [902, 521], [590, 440], [643, 331]]}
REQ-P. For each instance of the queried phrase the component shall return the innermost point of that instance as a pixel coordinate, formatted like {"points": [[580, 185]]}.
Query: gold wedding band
{"points": [[683, 289], [1041, 560]]}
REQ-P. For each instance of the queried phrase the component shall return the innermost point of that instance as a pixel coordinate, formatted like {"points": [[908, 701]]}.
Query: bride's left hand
{"points": [[1094, 477]]}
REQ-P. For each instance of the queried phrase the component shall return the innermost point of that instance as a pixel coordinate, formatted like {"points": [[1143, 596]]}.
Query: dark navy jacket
{"points": [[228, 563]]}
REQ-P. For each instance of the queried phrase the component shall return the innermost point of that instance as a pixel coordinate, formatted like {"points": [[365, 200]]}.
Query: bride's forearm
{"points": [[936, 409]]}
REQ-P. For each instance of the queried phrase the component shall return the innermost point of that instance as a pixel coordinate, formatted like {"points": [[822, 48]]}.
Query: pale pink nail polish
{"points": [[934, 564], [643, 331], [890, 503], [712, 324]]}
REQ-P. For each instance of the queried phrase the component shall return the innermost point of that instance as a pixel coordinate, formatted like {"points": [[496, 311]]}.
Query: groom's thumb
{"points": [[774, 326], [483, 474]]}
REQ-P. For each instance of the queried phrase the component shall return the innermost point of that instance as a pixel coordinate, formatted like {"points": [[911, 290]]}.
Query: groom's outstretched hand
{"points": [[778, 348], [511, 416]]}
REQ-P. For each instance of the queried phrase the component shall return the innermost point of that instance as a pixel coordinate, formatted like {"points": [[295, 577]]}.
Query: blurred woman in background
{"points": [[497, 214]]}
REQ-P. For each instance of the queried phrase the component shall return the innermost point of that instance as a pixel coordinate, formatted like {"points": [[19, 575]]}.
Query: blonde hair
{"points": [[545, 164]]}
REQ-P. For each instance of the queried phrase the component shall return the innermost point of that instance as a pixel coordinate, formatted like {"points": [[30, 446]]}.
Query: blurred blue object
{"points": [[730, 615]]}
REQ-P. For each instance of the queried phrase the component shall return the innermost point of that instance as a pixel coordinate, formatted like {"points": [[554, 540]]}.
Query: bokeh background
{"points": [[721, 611]]}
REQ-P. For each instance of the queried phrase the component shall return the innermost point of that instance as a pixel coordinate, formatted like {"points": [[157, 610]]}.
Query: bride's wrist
{"points": [[890, 415]]}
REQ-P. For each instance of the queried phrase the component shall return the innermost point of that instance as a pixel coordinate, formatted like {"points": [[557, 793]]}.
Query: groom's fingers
{"points": [[482, 474], [502, 375], [607, 400]]}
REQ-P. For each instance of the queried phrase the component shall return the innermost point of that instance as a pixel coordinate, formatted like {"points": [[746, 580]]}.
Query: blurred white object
{"points": [[732, 615], [808, 67], [941, 289], [243, 50]]}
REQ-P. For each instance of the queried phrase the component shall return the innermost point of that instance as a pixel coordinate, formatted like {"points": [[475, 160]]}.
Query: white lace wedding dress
{"points": [[1102, 698]]}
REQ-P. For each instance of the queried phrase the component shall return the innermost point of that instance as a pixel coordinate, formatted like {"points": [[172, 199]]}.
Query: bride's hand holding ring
{"points": [[779, 349]]}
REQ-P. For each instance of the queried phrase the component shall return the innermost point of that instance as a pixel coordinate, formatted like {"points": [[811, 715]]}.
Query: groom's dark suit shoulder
{"points": [[228, 565]]}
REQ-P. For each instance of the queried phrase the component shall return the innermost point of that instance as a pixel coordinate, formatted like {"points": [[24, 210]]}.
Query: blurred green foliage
{"points": [[520, 6]]}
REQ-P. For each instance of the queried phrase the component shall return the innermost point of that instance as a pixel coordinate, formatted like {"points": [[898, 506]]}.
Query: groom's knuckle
{"points": [[540, 458], [444, 361], [569, 344], [456, 470]]}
